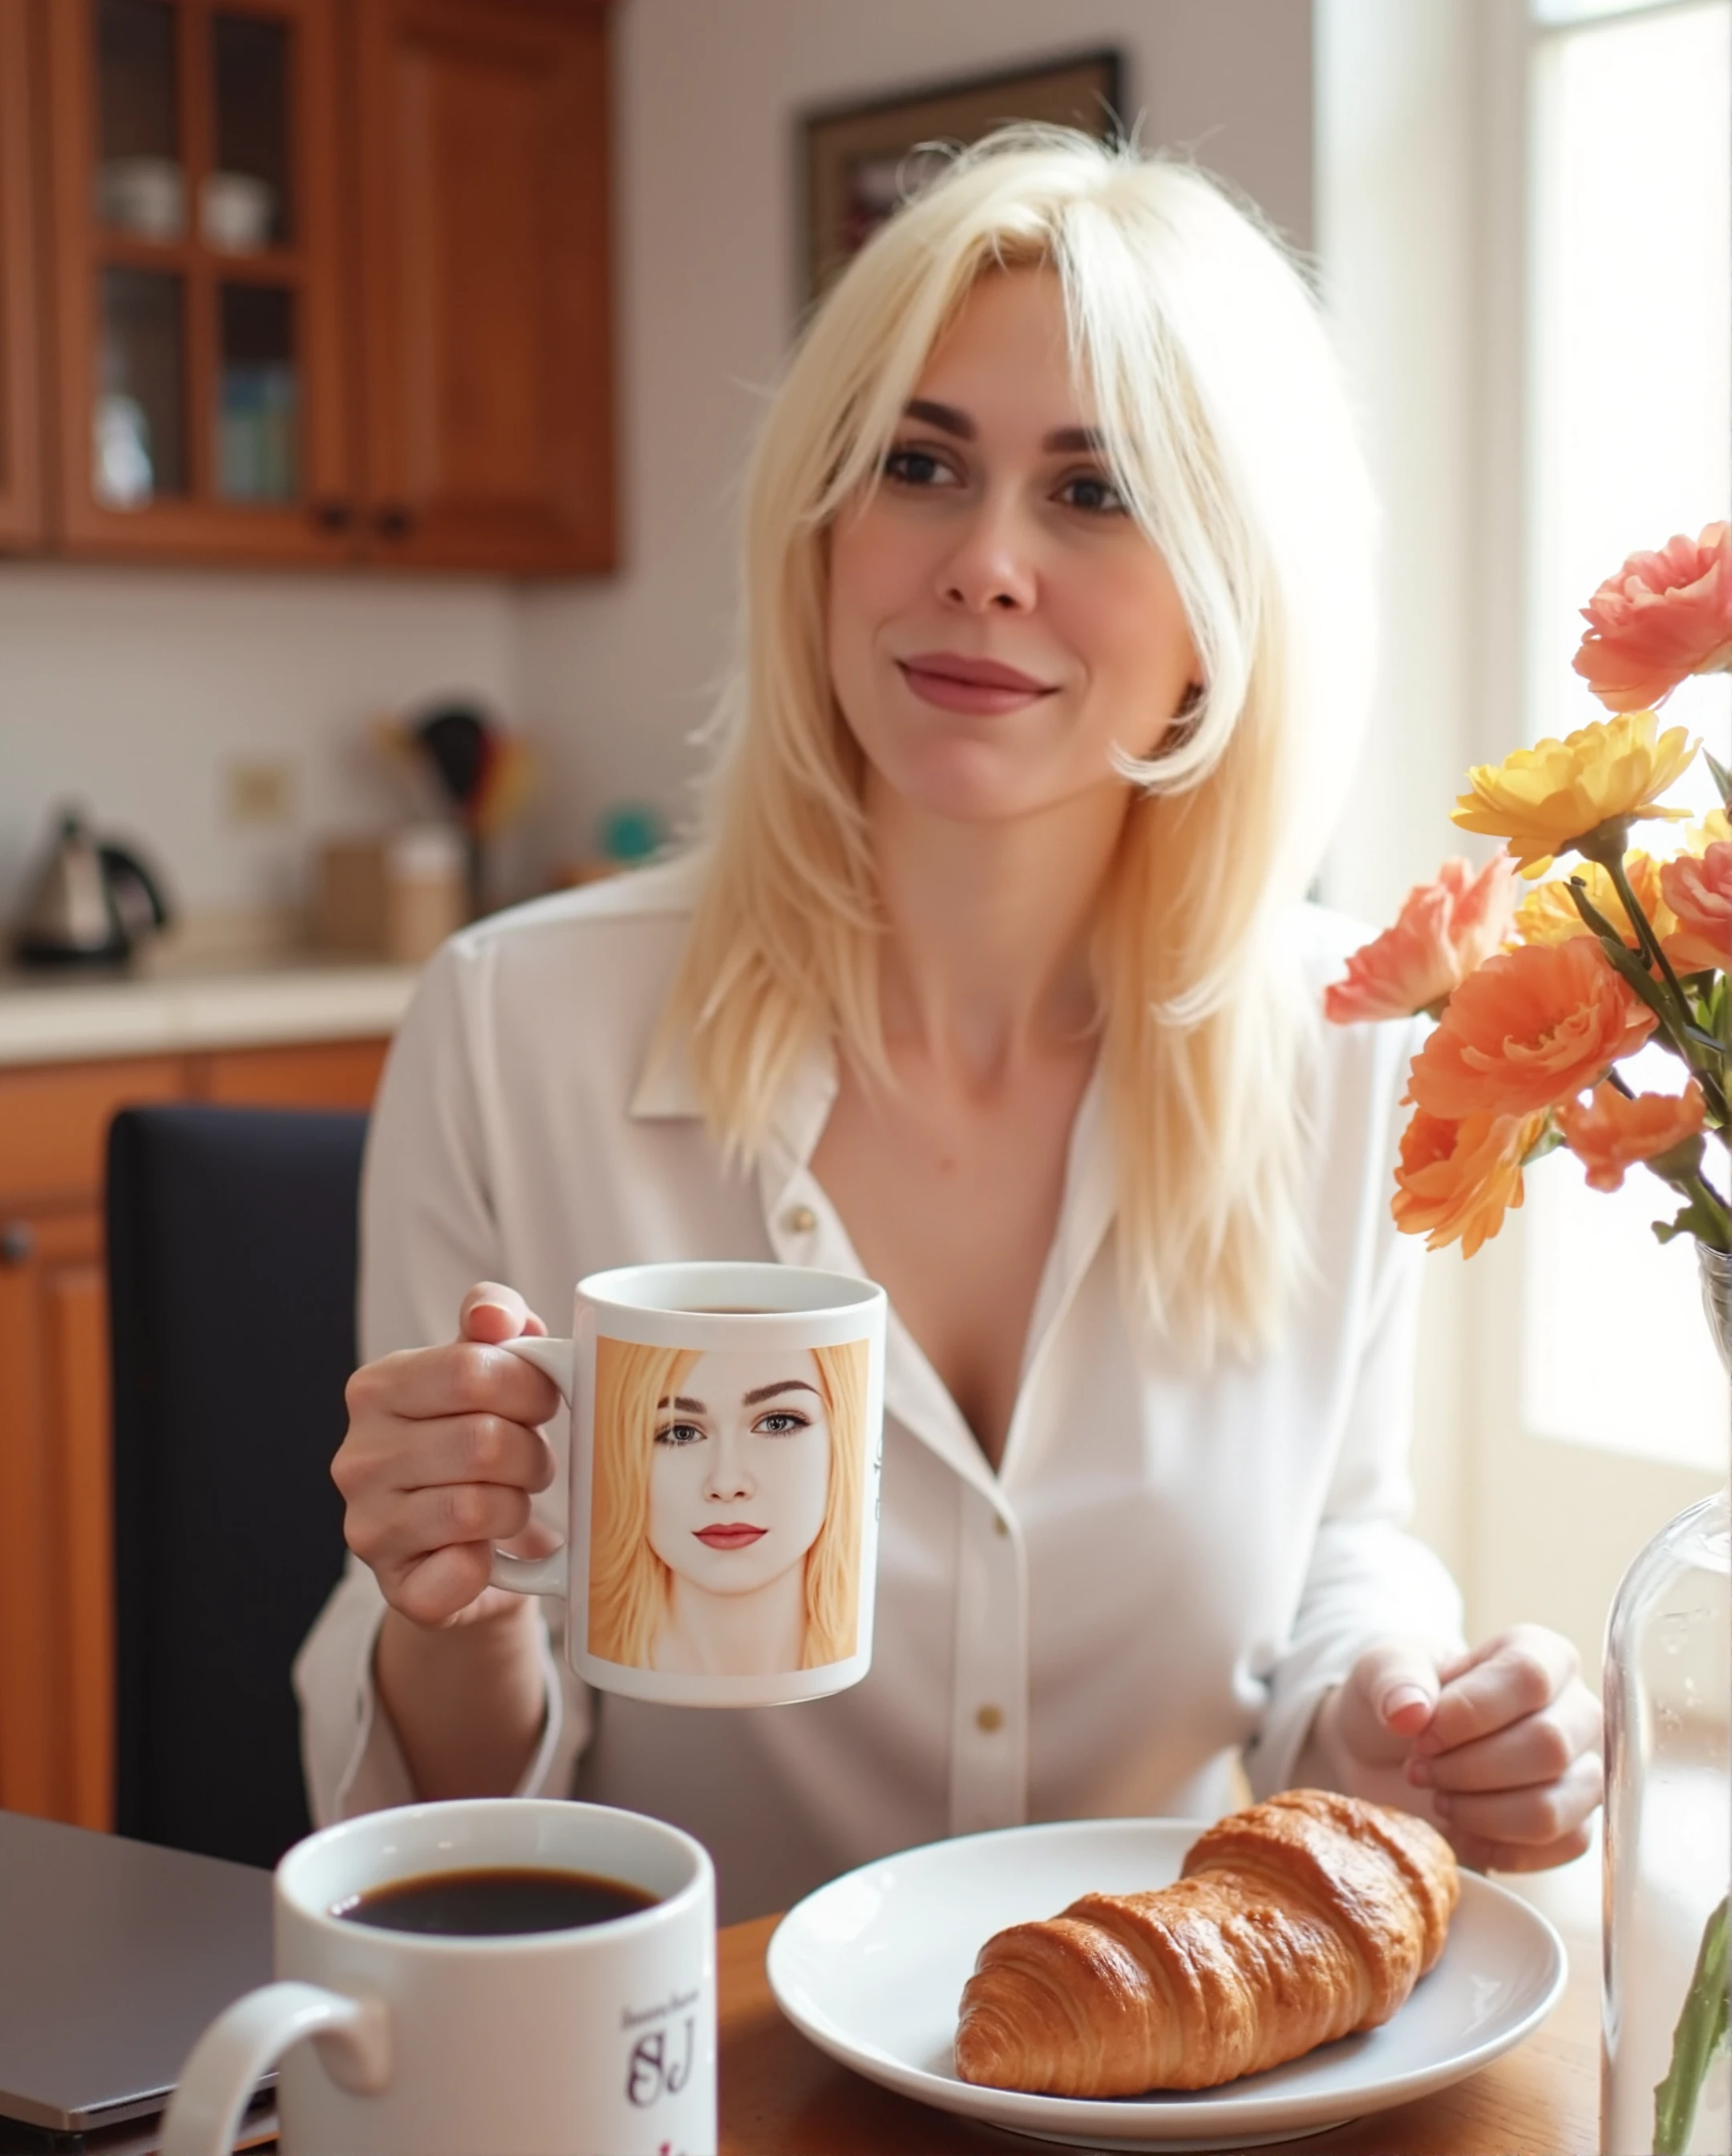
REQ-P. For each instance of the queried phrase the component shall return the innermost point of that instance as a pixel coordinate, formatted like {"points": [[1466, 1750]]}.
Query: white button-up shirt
{"points": [[1165, 1574]]}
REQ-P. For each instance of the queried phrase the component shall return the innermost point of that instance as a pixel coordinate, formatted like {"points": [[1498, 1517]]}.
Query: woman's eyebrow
{"points": [[945, 416], [681, 1404], [1062, 441], [1075, 441], [783, 1385]]}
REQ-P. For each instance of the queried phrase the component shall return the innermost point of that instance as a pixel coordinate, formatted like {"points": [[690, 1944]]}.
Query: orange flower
{"points": [[1698, 889], [1533, 1026], [1662, 616], [1611, 1133], [1444, 930], [1455, 1181], [1548, 914]]}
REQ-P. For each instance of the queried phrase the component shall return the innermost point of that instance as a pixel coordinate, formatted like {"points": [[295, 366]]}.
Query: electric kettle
{"points": [[89, 904]]}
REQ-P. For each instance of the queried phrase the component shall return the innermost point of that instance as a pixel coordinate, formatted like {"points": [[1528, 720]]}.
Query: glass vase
{"points": [[1666, 2085]]}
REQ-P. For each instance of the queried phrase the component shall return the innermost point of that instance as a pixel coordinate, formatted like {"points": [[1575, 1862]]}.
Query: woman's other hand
{"points": [[1501, 1745], [441, 1460]]}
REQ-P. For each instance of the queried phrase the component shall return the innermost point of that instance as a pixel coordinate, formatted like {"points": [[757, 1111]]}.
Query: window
{"points": [[1630, 398]]}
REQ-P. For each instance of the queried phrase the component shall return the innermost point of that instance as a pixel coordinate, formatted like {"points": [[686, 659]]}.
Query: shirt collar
{"points": [[666, 1092]]}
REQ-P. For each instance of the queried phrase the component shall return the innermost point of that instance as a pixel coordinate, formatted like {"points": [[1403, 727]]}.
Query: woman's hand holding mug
{"points": [[442, 1456], [727, 1438]]}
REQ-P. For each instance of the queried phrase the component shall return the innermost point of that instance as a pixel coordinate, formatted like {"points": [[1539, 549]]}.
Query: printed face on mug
{"points": [[725, 1450], [725, 1533]]}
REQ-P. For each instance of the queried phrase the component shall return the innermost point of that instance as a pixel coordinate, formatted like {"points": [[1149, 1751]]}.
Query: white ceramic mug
{"points": [[727, 1424], [235, 211], [592, 2042]]}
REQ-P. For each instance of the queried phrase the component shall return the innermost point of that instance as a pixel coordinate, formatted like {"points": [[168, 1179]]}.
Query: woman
{"points": [[728, 1486], [993, 980]]}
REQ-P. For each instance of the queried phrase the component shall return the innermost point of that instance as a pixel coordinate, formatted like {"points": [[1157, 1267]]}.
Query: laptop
{"points": [[114, 1957]]}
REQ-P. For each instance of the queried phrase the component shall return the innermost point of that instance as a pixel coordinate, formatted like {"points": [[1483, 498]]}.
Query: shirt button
{"points": [[989, 1720], [799, 1219]]}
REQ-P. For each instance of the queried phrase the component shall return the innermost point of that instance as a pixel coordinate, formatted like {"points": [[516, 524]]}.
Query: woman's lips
{"points": [[980, 685], [741, 1535]]}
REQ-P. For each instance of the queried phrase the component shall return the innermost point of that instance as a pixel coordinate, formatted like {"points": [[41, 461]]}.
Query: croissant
{"points": [[1300, 1920]]}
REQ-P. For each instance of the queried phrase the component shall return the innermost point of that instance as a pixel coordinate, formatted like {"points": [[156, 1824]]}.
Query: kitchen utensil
{"points": [[89, 904], [145, 195], [236, 211], [398, 897]]}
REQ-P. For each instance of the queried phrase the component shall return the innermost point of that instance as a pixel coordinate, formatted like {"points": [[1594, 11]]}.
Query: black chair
{"points": [[231, 1265]]}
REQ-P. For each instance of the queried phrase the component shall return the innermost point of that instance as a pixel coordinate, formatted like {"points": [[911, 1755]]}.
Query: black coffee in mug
{"points": [[494, 1902]]}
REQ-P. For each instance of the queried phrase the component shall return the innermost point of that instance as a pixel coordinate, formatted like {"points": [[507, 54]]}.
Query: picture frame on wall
{"points": [[862, 160]]}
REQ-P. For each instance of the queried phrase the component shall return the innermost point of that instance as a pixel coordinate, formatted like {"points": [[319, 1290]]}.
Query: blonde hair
{"points": [[630, 1587], [1226, 428]]}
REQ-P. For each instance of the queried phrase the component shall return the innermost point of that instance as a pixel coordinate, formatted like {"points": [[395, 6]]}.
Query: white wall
{"points": [[1403, 145], [134, 690], [615, 678]]}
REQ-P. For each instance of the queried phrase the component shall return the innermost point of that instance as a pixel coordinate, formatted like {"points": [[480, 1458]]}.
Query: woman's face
{"points": [[998, 622], [740, 1469]]}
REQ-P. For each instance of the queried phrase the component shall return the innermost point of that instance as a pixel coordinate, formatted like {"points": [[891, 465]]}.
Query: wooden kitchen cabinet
{"points": [[487, 405], [334, 1074], [56, 1532], [198, 302], [22, 421], [330, 281]]}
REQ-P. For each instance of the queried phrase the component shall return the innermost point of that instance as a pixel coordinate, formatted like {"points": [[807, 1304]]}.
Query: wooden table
{"points": [[780, 2097]]}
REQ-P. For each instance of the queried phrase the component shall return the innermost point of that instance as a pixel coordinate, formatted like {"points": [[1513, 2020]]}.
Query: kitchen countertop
{"points": [[171, 1004]]}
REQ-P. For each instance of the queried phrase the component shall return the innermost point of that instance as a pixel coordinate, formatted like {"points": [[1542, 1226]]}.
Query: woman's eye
{"points": [[917, 468], [679, 1433], [778, 1424], [1092, 492]]}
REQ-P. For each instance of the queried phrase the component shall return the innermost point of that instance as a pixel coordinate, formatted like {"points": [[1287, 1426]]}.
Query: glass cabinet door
{"points": [[138, 445], [196, 229], [246, 200], [258, 393]]}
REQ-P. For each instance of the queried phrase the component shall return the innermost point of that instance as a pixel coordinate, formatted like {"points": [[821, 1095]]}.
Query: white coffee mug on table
{"points": [[598, 2041], [726, 1448]]}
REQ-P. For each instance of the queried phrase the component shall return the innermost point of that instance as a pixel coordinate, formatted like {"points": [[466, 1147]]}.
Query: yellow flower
{"points": [[1714, 830], [1548, 914], [1545, 799]]}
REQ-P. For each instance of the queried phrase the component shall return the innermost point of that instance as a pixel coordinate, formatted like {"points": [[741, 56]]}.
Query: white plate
{"points": [[871, 1968]]}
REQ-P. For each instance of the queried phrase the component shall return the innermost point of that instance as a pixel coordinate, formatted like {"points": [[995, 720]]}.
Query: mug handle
{"points": [[538, 1575], [246, 2040]]}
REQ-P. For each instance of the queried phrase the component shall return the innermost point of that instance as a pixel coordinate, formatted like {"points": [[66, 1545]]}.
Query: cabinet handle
{"points": [[17, 1243], [394, 522], [333, 515]]}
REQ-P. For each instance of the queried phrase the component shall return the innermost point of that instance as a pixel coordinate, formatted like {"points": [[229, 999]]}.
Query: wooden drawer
{"points": [[56, 1560], [325, 1074], [54, 1118]]}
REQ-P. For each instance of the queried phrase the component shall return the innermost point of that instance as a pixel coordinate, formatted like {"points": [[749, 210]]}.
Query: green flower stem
{"points": [[1701, 1191], [1705, 1215], [1700, 2032], [1655, 952], [1651, 943]]}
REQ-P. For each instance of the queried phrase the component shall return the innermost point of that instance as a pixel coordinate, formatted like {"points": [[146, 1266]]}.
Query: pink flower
{"points": [[1698, 889], [1611, 1134], [1444, 930], [1662, 616]]}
